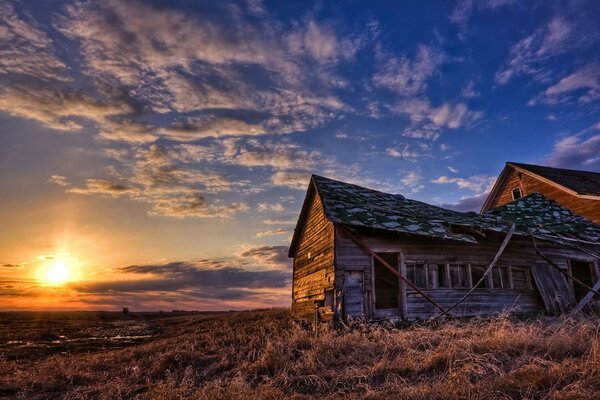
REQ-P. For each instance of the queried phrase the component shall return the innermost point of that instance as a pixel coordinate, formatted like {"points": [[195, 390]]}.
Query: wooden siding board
{"points": [[315, 274], [555, 289], [518, 253]]}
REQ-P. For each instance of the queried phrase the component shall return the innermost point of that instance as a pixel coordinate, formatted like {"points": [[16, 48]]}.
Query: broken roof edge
{"points": [[445, 224], [585, 227]]}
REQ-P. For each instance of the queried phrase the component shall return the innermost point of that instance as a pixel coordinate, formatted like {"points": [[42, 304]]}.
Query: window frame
{"points": [[505, 273], [517, 189]]}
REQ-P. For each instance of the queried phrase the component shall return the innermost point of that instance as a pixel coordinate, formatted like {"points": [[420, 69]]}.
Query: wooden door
{"points": [[353, 293]]}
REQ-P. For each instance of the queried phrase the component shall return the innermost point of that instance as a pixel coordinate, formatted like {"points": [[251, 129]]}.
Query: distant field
{"points": [[266, 354]]}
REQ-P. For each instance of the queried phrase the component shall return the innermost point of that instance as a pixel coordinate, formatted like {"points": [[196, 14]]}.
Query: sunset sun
{"points": [[58, 273]]}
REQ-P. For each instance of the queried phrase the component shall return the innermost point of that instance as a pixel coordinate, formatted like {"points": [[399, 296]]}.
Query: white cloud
{"points": [[585, 80], [26, 49], [411, 179], [190, 129], [187, 62], [463, 10], [406, 76], [476, 183], [59, 180], [265, 206], [293, 179], [529, 55], [163, 178], [57, 109], [271, 232], [577, 151], [428, 121], [469, 91], [402, 152]]}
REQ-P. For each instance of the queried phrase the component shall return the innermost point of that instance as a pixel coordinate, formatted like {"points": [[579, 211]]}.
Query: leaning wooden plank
{"points": [[565, 273], [509, 234], [554, 288], [586, 299], [366, 248]]}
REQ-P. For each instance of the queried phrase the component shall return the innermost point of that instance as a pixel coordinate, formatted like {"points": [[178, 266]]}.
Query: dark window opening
{"points": [[500, 278], [516, 193], [416, 275], [437, 276], [581, 270], [387, 288], [458, 276], [477, 272]]}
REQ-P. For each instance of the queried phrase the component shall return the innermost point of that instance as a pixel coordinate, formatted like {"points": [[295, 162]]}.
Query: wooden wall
{"points": [[313, 262], [585, 207], [519, 253]]}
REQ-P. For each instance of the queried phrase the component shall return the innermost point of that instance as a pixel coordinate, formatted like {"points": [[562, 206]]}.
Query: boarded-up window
{"points": [[500, 278], [458, 276], [519, 278], [386, 282], [416, 275], [477, 272]]}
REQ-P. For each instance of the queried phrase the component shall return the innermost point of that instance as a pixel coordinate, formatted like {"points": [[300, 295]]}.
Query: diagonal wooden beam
{"points": [[366, 248], [586, 299]]}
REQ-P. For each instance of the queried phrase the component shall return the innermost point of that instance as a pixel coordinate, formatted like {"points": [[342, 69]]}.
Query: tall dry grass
{"points": [[266, 354]]}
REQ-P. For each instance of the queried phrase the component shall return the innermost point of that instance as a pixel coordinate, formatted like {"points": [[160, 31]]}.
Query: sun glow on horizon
{"points": [[59, 270], [58, 273]]}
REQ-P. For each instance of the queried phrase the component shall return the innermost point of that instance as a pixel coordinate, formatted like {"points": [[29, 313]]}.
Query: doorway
{"points": [[387, 284], [583, 271]]}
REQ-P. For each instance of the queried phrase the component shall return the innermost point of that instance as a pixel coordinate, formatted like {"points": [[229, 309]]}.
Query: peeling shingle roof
{"points": [[547, 218], [581, 182], [354, 205], [358, 206]]}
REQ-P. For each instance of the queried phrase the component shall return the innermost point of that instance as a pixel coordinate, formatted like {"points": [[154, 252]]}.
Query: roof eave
{"points": [[311, 191], [487, 205], [553, 183]]}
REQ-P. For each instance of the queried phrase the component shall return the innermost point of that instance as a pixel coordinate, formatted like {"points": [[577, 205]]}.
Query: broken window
{"points": [[583, 271], [437, 276], [458, 276], [500, 278], [416, 275], [477, 272], [516, 193]]}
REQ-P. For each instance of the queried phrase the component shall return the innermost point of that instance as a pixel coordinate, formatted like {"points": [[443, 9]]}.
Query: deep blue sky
{"points": [[157, 132]]}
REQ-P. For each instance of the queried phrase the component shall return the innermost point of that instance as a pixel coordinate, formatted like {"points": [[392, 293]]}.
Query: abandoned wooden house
{"points": [[579, 191], [363, 253]]}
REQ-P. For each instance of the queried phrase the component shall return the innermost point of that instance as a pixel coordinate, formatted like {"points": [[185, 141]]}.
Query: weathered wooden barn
{"points": [[579, 191], [363, 253]]}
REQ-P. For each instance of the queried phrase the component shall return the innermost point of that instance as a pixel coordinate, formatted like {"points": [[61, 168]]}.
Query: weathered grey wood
{"points": [[353, 294], [554, 289], [586, 299], [509, 235], [313, 261], [382, 261]]}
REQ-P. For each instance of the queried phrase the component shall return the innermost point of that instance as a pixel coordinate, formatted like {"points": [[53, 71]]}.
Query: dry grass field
{"points": [[268, 355]]}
